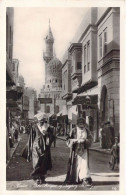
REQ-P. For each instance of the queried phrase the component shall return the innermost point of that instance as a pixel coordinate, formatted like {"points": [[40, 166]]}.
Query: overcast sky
{"points": [[30, 28]]}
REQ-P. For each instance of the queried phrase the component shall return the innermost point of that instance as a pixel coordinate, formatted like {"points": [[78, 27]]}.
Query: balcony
{"points": [[66, 79], [76, 66], [76, 83], [113, 55]]}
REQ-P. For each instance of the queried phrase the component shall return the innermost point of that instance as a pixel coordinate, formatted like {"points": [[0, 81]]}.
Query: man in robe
{"points": [[79, 141], [40, 141]]}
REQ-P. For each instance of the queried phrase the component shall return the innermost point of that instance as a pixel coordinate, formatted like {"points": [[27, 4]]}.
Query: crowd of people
{"points": [[17, 128]]}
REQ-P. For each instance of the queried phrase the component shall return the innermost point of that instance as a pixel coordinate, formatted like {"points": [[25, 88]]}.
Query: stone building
{"points": [[93, 58], [13, 91], [53, 78]]}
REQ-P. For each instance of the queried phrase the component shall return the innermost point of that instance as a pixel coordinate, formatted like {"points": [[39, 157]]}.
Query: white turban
{"points": [[41, 115]]}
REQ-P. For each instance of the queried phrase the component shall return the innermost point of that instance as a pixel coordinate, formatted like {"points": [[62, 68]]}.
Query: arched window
{"points": [[56, 80], [48, 86]]}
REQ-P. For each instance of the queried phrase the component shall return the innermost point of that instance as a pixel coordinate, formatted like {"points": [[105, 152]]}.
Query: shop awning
{"points": [[11, 103], [14, 94], [90, 84], [81, 99]]}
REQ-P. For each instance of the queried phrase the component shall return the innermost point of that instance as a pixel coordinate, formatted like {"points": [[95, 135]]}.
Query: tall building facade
{"points": [[92, 65], [13, 91], [53, 78]]}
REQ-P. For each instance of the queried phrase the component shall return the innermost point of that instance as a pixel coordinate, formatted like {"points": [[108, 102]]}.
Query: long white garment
{"points": [[82, 160]]}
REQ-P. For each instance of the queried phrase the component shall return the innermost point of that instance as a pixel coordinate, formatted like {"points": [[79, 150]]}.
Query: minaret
{"points": [[49, 40]]}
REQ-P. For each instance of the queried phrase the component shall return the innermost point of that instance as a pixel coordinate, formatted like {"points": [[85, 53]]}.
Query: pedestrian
{"points": [[79, 141], [108, 133], [115, 156], [12, 132], [10, 141], [16, 135], [39, 144], [15, 124], [100, 134]]}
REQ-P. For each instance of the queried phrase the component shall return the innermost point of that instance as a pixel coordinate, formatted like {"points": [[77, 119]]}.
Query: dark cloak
{"points": [[38, 150]]}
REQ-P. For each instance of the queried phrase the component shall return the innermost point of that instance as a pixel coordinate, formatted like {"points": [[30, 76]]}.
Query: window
{"points": [[88, 56], [48, 86], [78, 65], [105, 41], [100, 46], [50, 81], [85, 59], [64, 86], [56, 80]]}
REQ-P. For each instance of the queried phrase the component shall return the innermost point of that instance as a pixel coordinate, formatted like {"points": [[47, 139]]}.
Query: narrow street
{"points": [[18, 171]]}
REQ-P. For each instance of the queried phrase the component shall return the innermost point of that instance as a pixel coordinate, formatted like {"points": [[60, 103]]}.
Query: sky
{"points": [[30, 28]]}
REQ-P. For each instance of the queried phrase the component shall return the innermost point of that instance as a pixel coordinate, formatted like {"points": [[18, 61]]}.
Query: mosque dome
{"points": [[55, 63], [54, 72]]}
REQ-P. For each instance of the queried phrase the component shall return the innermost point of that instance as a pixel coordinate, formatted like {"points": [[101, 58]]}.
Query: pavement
{"points": [[96, 147], [12, 150], [18, 171]]}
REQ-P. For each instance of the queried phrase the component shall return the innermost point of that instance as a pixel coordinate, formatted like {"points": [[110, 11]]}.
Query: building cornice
{"points": [[75, 46], [103, 16]]}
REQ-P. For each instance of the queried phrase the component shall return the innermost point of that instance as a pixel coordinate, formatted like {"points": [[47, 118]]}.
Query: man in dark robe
{"points": [[108, 136], [40, 141]]}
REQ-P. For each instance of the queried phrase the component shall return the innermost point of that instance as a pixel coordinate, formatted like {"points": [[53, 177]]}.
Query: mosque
{"points": [[53, 78]]}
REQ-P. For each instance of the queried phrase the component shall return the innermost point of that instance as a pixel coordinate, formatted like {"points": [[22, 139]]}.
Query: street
{"points": [[18, 171]]}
